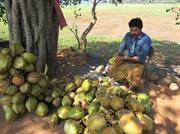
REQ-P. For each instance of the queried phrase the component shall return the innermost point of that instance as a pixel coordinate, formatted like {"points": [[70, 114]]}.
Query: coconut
{"points": [[56, 93], [84, 104], [10, 115], [78, 82], [86, 85], [112, 61], [76, 113], [42, 109], [63, 112], [36, 90], [5, 63], [48, 99], [100, 69], [96, 122], [6, 51], [33, 77], [12, 90], [18, 80], [80, 97], [76, 103], [56, 102], [31, 104], [43, 83], [41, 97], [79, 90], [16, 49], [19, 63], [18, 98], [146, 121], [143, 98], [29, 68], [135, 105], [14, 71], [70, 87], [4, 76], [106, 101], [66, 101], [29, 57], [109, 130], [4, 84], [90, 95], [129, 123], [25, 88], [72, 95], [123, 111], [19, 108], [117, 103], [93, 107], [6, 100], [72, 127], [54, 118]]}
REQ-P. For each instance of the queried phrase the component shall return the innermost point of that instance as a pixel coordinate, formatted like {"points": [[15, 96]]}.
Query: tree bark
{"points": [[34, 24]]}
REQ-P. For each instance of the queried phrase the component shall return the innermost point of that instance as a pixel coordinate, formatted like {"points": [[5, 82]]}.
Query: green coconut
{"points": [[86, 85], [6, 51], [56, 93], [33, 77], [90, 95], [76, 113], [93, 107], [56, 102], [16, 49], [76, 103], [12, 90], [36, 90], [42, 109], [29, 57], [106, 101], [29, 68], [19, 63], [146, 121], [25, 88], [72, 95], [31, 104], [18, 98], [79, 90], [4, 84], [96, 122], [66, 101], [144, 98], [109, 130], [112, 60], [135, 105], [19, 108], [5, 63], [129, 123], [10, 115], [41, 97], [79, 97], [117, 103], [70, 87], [78, 82], [54, 119], [6, 100], [14, 71], [120, 90], [72, 127], [63, 112], [4, 76], [43, 83]]}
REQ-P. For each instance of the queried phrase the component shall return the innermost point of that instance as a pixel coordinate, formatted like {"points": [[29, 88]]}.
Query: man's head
{"points": [[135, 26]]}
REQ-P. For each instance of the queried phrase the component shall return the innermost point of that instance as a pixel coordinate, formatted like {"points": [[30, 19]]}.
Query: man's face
{"points": [[135, 31]]}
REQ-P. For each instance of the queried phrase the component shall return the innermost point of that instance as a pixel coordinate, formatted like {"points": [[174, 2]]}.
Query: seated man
{"points": [[131, 55]]}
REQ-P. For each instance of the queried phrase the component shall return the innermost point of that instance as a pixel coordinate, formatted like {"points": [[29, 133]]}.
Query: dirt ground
{"points": [[165, 109]]}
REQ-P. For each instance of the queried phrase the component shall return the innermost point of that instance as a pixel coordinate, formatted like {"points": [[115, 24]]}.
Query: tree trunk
{"points": [[34, 24]]}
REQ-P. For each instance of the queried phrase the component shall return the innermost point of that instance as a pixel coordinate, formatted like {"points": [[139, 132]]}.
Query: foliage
{"points": [[2, 11]]}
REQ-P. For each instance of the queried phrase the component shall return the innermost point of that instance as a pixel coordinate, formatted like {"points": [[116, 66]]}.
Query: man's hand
{"points": [[128, 58], [119, 59]]}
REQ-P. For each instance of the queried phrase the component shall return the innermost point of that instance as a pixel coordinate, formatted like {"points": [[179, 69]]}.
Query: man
{"points": [[131, 55]]}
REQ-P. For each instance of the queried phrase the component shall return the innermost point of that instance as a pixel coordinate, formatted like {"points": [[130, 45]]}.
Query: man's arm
{"points": [[122, 46]]}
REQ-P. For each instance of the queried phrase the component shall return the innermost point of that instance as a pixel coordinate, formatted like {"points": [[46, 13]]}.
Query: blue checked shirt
{"points": [[136, 47]]}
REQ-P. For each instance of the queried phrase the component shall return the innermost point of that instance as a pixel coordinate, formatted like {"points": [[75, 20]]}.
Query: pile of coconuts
{"points": [[86, 105]]}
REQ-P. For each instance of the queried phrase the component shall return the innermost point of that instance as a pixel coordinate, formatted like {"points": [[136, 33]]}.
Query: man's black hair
{"points": [[136, 22]]}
